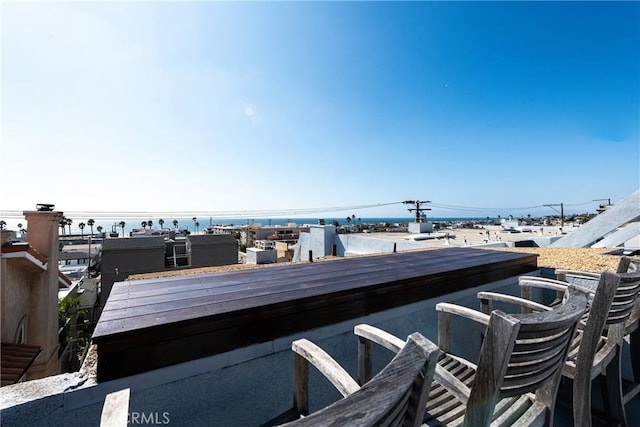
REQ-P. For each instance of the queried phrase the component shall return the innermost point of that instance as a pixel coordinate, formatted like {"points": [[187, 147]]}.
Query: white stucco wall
{"points": [[261, 256]]}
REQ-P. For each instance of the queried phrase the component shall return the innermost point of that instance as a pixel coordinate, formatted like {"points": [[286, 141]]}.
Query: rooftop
{"points": [[586, 259], [220, 354]]}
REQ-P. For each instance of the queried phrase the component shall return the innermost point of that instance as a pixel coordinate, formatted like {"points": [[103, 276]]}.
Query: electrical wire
{"points": [[256, 213], [259, 213]]}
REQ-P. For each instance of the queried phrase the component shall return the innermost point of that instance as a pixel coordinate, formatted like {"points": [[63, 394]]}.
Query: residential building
{"points": [[29, 299], [122, 257], [288, 233]]}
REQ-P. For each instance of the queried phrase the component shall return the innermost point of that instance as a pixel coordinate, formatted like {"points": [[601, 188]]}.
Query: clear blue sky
{"points": [[209, 106]]}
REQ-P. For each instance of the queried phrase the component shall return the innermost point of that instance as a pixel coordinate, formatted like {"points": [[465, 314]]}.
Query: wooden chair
{"points": [[394, 397], [516, 377], [630, 387], [592, 354], [115, 410]]}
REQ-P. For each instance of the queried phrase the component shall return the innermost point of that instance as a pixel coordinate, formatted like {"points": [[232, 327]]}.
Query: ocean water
{"points": [[189, 224]]}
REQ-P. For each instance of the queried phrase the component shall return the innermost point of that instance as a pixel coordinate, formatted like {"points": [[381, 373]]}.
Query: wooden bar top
{"points": [[147, 324]]}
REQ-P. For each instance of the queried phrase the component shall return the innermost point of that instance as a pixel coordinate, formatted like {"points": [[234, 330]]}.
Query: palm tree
{"points": [[81, 227], [150, 224], [161, 222], [19, 226], [3, 224], [144, 224], [69, 222], [90, 224], [99, 228], [197, 225], [348, 220], [63, 223], [122, 224], [175, 223]]}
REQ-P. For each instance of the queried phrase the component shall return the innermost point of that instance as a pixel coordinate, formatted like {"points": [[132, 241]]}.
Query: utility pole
{"points": [[561, 211], [602, 207], [417, 208]]}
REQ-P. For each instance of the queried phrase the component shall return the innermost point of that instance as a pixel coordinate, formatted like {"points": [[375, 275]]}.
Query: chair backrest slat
{"points": [[625, 297], [541, 346], [628, 285]]}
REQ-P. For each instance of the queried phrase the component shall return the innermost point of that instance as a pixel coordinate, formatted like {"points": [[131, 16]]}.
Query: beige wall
{"points": [[14, 297], [43, 303], [283, 250]]}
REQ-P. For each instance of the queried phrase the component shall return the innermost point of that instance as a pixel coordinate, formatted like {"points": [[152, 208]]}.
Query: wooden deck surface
{"points": [[148, 324]]}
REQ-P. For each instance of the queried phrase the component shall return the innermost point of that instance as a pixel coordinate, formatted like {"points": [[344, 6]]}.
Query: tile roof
{"points": [[16, 360], [63, 281], [24, 247]]}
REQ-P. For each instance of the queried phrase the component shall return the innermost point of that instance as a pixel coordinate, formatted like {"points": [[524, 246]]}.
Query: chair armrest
{"points": [[577, 273], [486, 297], [465, 312], [326, 365], [378, 336], [542, 282], [445, 310], [367, 335], [527, 282], [453, 385], [393, 343]]}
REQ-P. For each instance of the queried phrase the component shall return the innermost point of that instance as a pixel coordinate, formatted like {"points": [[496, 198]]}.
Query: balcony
{"points": [[215, 349]]}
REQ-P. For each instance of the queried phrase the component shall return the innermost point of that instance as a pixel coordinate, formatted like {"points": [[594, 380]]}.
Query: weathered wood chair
{"points": [[394, 397], [595, 350], [516, 377], [115, 410], [630, 387]]}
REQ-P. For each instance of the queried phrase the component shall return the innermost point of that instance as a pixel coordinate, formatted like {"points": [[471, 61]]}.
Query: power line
{"points": [[475, 208], [255, 213]]}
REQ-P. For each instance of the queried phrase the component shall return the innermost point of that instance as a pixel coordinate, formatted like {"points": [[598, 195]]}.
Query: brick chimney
{"points": [[42, 327]]}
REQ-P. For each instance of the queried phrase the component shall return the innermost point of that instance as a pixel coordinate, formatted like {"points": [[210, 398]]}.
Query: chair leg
{"points": [[582, 401], [634, 347], [613, 390]]}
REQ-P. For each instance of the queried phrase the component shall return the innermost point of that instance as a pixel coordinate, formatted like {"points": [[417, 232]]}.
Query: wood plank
{"points": [[366, 278], [324, 269]]}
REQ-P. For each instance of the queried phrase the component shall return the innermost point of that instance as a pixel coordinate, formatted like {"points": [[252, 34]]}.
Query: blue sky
{"points": [[212, 106]]}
